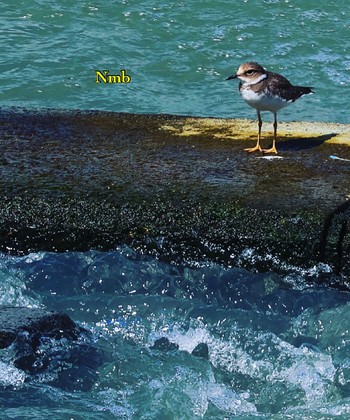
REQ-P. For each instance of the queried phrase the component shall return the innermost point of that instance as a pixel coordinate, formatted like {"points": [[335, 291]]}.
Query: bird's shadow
{"points": [[303, 143]]}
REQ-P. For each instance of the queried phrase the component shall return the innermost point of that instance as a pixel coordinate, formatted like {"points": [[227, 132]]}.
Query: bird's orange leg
{"points": [[273, 148], [257, 147]]}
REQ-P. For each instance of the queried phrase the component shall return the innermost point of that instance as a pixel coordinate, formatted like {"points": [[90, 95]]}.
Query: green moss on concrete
{"points": [[179, 188]]}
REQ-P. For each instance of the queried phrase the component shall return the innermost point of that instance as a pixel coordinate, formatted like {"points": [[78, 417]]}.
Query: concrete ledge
{"points": [[177, 187]]}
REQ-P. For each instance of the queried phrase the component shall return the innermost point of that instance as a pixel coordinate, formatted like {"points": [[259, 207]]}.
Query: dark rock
{"points": [[201, 350], [164, 344], [45, 342], [20, 321], [302, 341]]}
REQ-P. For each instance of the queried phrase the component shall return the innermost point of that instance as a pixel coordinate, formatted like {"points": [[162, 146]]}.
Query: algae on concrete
{"points": [[179, 188]]}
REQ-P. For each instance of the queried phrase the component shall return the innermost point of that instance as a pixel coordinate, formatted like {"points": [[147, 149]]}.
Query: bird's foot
{"points": [[253, 149], [271, 150]]}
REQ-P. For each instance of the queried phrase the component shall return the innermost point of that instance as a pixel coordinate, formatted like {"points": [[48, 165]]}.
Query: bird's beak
{"points": [[234, 76]]}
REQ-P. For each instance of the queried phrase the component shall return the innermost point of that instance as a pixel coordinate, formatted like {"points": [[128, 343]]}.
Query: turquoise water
{"points": [[177, 54], [276, 348]]}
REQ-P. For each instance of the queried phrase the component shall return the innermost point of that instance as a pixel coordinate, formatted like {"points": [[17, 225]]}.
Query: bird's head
{"points": [[249, 73]]}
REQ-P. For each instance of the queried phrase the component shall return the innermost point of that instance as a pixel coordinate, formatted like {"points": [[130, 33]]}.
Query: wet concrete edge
{"points": [[176, 187]]}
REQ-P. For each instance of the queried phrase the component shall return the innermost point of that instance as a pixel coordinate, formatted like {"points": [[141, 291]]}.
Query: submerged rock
{"points": [[201, 350], [164, 344], [49, 344], [15, 321]]}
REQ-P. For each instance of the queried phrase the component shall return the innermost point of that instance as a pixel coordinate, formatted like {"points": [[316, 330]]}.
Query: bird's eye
{"points": [[250, 72]]}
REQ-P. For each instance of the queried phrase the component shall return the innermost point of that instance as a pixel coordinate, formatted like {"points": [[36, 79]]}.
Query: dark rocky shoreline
{"points": [[179, 188]]}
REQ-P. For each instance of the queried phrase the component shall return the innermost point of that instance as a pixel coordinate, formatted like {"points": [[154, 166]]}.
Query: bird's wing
{"points": [[281, 86]]}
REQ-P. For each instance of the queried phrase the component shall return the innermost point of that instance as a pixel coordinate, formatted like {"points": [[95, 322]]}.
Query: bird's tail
{"points": [[304, 90]]}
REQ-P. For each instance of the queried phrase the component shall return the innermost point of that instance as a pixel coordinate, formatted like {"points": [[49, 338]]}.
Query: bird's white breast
{"points": [[262, 101]]}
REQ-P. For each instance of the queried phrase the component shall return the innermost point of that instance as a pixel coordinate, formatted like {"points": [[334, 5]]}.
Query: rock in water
{"points": [[50, 344], [17, 320]]}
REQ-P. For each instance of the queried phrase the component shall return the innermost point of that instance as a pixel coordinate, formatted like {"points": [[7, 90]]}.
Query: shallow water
{"points": [[254, 346], [178, 54]]}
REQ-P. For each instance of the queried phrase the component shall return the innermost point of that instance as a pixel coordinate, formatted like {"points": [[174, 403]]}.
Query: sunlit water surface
{"points": [[178, 54]]}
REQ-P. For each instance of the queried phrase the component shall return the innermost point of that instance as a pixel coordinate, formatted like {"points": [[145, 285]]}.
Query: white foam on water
{"points": [[11, 376], [13, 289], [188, 340], [264, 356]]}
